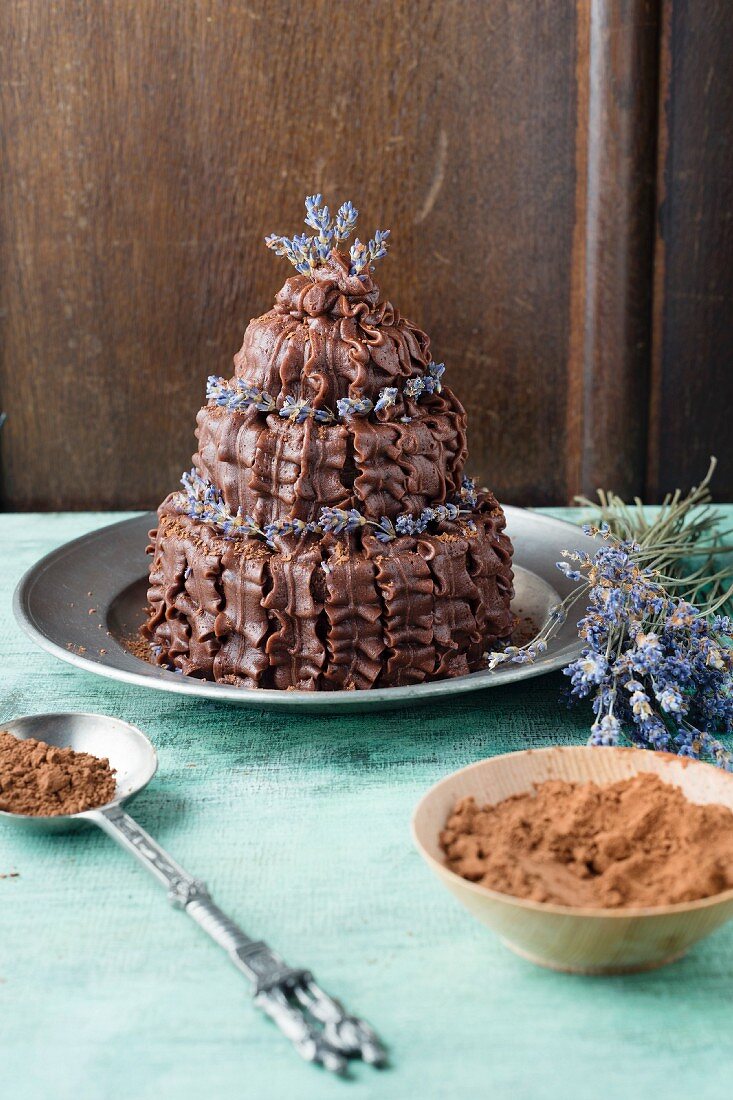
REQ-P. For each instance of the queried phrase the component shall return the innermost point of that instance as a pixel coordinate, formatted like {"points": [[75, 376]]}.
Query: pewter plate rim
{"points": [[36, 606]]}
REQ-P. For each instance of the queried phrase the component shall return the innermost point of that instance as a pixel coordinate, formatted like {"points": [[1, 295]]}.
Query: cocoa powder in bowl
{"points": [[637, 842], [41, 780]]}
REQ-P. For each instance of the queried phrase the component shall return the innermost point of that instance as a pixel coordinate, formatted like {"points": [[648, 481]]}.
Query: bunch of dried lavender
{"points": [[308, 253], [657, 658]]}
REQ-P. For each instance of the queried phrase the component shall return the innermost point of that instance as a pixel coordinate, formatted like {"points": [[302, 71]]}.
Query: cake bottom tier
{"points": [[328, 613]]}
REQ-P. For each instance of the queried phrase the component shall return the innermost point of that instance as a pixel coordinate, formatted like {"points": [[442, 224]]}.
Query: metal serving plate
{"points": [[53, 604]]}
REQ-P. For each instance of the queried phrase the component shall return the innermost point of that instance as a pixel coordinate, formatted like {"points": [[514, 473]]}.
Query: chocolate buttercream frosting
{"points": [[324, 611]]}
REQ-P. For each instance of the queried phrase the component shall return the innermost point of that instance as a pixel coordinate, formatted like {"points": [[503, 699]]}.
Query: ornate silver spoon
{"points": [[317, 1025]]}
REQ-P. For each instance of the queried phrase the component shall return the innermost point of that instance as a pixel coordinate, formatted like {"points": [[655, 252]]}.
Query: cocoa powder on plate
{"points": [[637, 842], [42, 780]]}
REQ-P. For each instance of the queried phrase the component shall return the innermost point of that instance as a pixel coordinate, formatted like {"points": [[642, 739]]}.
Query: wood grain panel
{"points": [[613, 248], [147, 149], [692, 379]]}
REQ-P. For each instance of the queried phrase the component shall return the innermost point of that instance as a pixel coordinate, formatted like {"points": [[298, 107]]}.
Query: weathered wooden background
{"points": [[558, 177]]}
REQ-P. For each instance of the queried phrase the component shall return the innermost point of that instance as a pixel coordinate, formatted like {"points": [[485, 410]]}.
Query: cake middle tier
{"points": [[274, 469], [329, 613]]}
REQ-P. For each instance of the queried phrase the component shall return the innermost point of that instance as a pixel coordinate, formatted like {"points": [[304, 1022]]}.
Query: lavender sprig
{"points": [[362, 255], [206, 503], [429, 383], [337, 520], [353, 406], [300, 250], [467, 492], [386, 530], [306, 254], [658, 668], [387, 398], [433, 380], [316, 215], [414, 388], [345, 222], [202, 501], [237, 394], [299, 411], [319, 218]]}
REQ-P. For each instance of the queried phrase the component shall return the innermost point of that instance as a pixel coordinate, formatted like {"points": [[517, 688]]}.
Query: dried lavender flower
{"points": [[362, 255], [414, 388], [300, 251], [345, 222], [467, 493], [435, 372], [306, 254], [387, 398], [386, 530], [298, 410], [658, 668], [237, 394], [353, 406], [318, 218], [337, 520]]}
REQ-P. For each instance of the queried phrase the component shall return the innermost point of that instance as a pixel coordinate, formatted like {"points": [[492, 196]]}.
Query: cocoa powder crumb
{"points": [[637, 842], [42, 780], [138, 646]]}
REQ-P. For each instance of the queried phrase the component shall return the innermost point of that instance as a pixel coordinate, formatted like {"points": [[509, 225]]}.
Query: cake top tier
{"points": [[332, 343], [308, 254], [330, 289], [331, 279]]}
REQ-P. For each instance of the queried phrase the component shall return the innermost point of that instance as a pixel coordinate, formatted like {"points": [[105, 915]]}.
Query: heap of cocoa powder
{"points": [[638, 842], [44, 781]]}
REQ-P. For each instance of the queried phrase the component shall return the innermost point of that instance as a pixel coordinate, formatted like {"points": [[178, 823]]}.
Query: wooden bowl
{"points": [[584, 941]]}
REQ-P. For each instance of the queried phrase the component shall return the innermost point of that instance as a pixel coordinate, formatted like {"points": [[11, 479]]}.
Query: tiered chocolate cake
{"points": [[327, 537]]}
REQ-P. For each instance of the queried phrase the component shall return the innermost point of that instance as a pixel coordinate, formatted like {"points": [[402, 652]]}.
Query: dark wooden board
{"points": [[611, 305], [148, 147], [692, 363]]}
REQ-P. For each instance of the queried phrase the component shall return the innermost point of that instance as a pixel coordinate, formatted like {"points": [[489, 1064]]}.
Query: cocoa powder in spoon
{"points": [[638, 842], [42, 780]]}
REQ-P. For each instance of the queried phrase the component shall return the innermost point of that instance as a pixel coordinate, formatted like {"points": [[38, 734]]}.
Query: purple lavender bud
{"points": [[414, 388], [387, 398], [385, 531], [436, 372], [270, 530], [468, 492], [359, 257], [345, 221], [424, 520], [353, 406], [567, 569], [333, 519]]}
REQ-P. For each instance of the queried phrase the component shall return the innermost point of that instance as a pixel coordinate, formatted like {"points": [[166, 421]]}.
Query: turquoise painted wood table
{"points": [[301, 828]]}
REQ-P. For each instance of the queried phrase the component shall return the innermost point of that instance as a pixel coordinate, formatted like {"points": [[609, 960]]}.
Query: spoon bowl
{"points": [[128, 750]]}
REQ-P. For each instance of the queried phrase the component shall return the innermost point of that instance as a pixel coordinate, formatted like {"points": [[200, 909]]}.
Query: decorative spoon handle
{"points": [[316, 1024]]}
